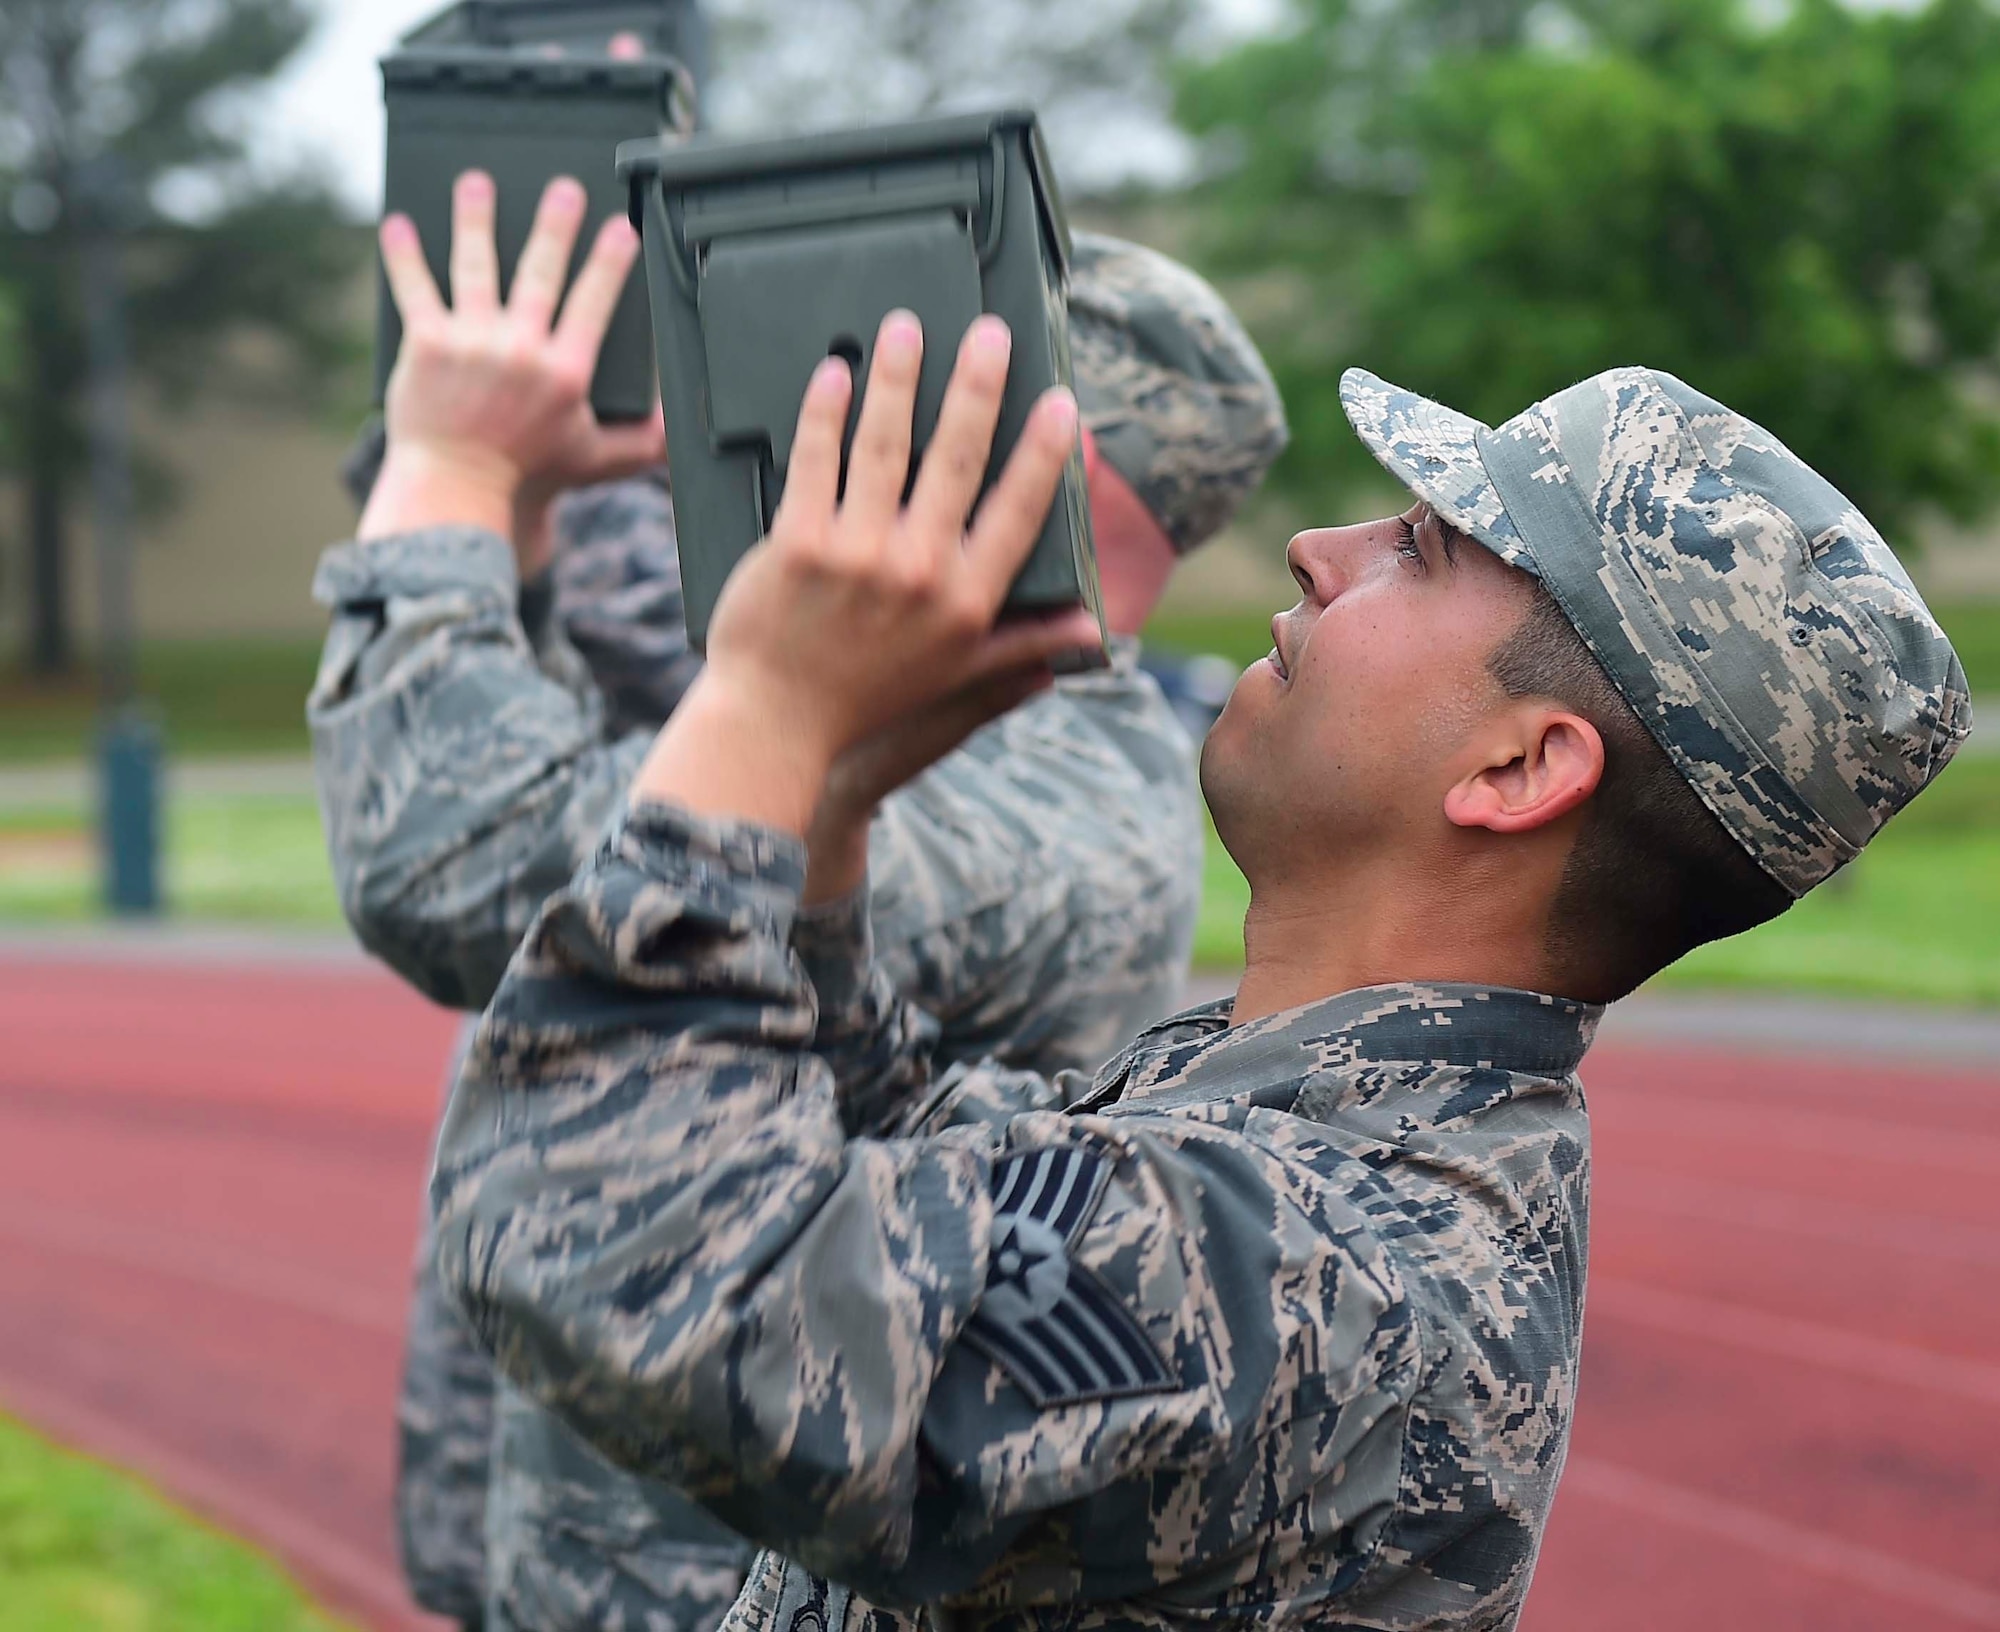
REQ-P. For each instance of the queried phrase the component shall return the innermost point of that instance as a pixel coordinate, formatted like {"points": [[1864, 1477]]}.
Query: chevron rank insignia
{"points": [[1047, 1321]]}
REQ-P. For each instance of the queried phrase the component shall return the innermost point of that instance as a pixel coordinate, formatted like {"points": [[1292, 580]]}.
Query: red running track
{"points": [[1790, 1405]]}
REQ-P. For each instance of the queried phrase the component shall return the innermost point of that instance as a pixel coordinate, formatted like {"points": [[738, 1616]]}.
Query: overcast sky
{"points": [[328, 104]]}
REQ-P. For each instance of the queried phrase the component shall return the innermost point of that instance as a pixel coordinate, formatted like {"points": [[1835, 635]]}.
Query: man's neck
{"points": [[1311, 940]]}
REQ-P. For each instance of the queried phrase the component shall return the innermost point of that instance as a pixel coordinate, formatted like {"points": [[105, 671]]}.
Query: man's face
{"points": [[1341, 745]]}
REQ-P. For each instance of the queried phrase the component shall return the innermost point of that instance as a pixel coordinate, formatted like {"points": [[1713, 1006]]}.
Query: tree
{"points": [[1096, 69], [1801, 216], [114, 118]]}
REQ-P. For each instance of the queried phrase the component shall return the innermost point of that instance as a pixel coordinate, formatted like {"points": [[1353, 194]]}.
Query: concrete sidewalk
{"points": [[72, 784]]}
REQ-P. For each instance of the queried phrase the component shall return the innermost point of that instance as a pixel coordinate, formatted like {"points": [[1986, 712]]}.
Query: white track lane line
{"points": [[1792, 1545], [1708, 1320], [222, 1266]]}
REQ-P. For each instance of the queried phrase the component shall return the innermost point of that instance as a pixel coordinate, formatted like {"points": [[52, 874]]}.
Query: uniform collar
{"points": [[1198, 1055]]}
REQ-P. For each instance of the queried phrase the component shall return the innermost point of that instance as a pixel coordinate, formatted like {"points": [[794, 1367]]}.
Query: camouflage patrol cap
{"points": [[1755, 621], [1173, 390]]}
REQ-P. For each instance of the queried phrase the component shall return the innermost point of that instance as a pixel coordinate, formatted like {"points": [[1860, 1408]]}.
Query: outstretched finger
{"points": [[812, 480], [544, 266], [879, 466], [954, 466], [411, 285], [475, 262], [600, 284], [1013, 514]]}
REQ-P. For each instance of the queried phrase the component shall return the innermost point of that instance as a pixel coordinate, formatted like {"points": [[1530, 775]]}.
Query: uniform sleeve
{"points": [[880, 1047], [1039, 887], [618, 595], [876, 1045], [462, 775], [1108, 1352]]}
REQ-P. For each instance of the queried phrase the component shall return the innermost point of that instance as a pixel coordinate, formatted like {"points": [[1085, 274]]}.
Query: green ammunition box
{"points": [[763, 258], [670, 28], [525, 120]]}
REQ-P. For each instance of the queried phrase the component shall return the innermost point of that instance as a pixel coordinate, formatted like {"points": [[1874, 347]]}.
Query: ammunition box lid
{"points": [[442, 68], [704, 163], [672, 28]]}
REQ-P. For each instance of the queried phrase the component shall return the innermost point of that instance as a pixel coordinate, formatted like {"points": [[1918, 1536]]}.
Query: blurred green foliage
{"points": [[1796, 208], [115, 119], [216, 698], [228, 858], [84, 1549]]}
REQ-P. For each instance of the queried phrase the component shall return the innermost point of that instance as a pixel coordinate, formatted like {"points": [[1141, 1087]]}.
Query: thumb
{"points": [[626, 450]]}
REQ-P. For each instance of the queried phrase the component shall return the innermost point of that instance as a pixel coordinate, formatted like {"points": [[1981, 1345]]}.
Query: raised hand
{"points": [[864, 625], [488, 410]]}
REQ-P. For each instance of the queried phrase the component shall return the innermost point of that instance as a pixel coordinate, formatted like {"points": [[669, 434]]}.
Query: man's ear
{"points": [[1539, 763]]}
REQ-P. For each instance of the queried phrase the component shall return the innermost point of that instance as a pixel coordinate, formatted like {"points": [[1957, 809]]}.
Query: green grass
{"points": [[1974, 627], [248, 697], [245, 859], [1917, 917], [1245, 635], [84, 1549], [216, 698]]}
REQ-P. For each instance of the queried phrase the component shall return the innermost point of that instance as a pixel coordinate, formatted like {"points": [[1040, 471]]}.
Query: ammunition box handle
{"points": [[963, 197]]}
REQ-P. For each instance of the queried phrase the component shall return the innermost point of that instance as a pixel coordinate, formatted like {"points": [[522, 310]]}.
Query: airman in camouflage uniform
{"points": [[1276, 1320], [1036, 891]]}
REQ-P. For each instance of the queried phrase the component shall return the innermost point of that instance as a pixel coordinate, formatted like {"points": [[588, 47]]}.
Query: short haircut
{"points": [[1653, 873]]}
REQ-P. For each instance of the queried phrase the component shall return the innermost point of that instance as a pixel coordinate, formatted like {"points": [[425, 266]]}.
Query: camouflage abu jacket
{"points": [[1039, 886], [1276, 1324]]}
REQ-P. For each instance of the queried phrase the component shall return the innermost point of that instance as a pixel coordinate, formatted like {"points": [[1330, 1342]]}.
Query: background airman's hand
{"points": [[488, 410]]}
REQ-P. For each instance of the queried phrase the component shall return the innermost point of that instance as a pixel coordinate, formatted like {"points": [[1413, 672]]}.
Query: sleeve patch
{"points": [[1051, 1325]]}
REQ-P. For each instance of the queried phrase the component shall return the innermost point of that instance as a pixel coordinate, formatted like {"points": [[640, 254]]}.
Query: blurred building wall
{"points": [[258, 498]]}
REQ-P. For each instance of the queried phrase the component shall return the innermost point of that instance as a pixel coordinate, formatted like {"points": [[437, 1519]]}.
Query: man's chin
{"points": [[1222, 762]]}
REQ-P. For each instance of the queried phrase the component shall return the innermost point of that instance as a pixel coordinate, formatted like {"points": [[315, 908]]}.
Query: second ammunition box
{"points": [[524, 120], [670, 28]]}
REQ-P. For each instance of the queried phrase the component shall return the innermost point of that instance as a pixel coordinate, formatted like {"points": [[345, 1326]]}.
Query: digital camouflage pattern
{"points": [[1039, 888], [445, 1418], [614, 593], [1038, 891], [698, 1194], [1753, 618], [1176, 394], [617, 585], [576, 1543], [1035, 886]]}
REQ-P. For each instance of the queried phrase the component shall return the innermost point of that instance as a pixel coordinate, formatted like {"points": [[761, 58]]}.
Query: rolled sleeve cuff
{"points": [[409, 566], [739, 873]]}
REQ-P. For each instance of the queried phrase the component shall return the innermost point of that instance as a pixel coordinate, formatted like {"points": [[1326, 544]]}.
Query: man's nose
{"points": [[1322, 558]]}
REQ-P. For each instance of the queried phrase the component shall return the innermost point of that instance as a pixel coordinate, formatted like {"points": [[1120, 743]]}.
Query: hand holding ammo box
{"points": [[764, 258], [524, 90]]}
